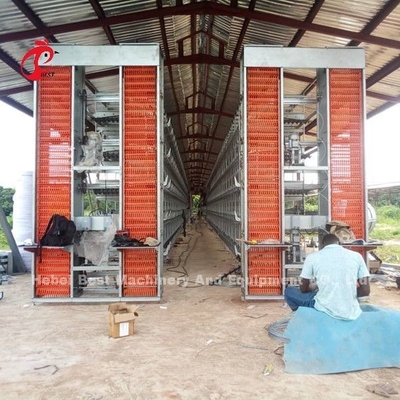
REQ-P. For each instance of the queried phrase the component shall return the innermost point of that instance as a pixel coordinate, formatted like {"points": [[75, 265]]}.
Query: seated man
{"points": [[341, 276]]}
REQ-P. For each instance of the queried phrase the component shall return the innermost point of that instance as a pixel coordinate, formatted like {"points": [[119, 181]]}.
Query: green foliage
{"points": [[7, 203], [387, 223], [3, 241], [195, 203], [385, 199], [6, 200], [93, 206], [387, 230], [388, 213], [389, 253], [310, 207]]}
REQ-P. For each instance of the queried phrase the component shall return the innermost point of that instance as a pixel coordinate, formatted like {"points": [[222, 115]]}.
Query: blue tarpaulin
{"points": [[320, 344]]}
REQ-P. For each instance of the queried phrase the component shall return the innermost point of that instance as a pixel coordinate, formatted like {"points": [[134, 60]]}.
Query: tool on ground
{"points": [[218, 280]]}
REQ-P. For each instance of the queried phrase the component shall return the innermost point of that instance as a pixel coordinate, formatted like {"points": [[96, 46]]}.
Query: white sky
{"points": [[17, 136]]}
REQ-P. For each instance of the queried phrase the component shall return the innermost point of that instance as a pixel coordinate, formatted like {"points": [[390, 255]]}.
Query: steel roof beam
{"points": [[310, 17], [234, 58], [370, 27], [381, 108], [376, 20], [384, 97], [12, 64], [201, 7], [201, 59], [199, 161], [168, 56], [36, 21], [195, 136], [20, 89], [101, 15], [198, 151], [383, 72], [194, 167], [201, 110], [17, 106]]}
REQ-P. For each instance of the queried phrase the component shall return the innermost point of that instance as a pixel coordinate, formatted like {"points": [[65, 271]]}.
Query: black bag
{"points": [[60, 232]]}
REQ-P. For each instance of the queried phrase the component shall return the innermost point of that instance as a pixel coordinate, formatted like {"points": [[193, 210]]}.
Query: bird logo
{"points": [[42, 49]]}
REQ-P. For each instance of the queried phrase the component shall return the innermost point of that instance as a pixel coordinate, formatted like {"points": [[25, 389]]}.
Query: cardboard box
{"points": [[121, 319]]}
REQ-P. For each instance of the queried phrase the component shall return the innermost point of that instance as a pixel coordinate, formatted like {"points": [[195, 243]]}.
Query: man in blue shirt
{"points": [[340, 275]]}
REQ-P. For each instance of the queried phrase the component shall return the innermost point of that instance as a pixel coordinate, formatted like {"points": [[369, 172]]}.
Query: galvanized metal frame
{"points": [[144, 55], [279, 57], [160, 170], [224, 189], [34, 177], [244, 237], [175, 188]]}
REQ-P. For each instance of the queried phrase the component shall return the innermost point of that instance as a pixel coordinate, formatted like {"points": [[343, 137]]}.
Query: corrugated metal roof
{"points": [[202, 96]]}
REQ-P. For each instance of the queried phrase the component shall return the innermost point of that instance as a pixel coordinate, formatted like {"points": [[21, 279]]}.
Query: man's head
{"points": [[330, 238]]}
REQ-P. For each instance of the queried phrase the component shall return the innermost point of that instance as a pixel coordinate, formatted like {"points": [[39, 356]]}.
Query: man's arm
{"points": [[306, 286], [363, 288], [306, 275]]}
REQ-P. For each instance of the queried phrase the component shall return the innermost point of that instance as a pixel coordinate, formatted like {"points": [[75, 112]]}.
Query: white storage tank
{"points": [[22, 215]]}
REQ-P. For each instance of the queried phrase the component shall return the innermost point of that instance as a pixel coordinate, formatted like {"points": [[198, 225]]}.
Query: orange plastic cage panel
{"points": [[145, 185], [142, 229], [54, 258], [140, 255], [140, 178], [140, 270], [346, 154], [139, 157], [140, 291], [141, 203], [146, 266], [52, 291], [260, 290], [134, 280], [53, 172], [264, 179], [142, 172]]}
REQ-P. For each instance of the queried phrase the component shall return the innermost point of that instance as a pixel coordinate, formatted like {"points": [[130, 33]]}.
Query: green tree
{"points": [[6, 200], [195, 203]]}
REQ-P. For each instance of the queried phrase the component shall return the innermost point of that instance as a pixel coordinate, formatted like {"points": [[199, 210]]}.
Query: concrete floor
{"points": [[200, 342]]}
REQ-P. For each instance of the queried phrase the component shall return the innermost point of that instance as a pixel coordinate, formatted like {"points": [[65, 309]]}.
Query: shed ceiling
{"points": [[202, 44]]}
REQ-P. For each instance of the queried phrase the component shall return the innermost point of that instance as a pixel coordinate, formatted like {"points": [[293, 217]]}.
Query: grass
{"points": [[3, 241], [389, 253], [387, 230]]}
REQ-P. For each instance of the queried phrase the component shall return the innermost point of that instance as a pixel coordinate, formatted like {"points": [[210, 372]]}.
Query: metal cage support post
{"points": [[124, 173], [222, 207], [282, 129]]}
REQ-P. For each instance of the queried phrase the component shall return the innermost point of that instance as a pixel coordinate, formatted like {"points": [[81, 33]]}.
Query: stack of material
{"points": [[391, 272]]}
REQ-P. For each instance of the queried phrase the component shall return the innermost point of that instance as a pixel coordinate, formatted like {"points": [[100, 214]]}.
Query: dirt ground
{"points": [[199, 342]]}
